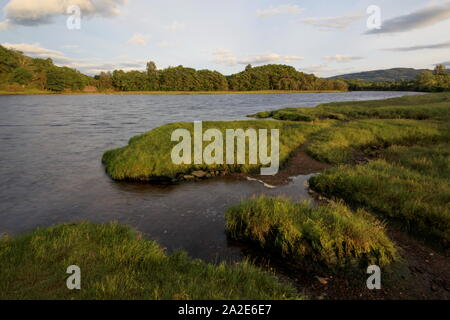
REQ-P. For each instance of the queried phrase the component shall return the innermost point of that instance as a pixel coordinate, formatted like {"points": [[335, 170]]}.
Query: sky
{"points": [[326, 38]]}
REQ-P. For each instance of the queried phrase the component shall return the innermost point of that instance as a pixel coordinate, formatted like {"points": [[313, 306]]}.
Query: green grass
{"points": [[419, 107], [148, 156], [332, 236], [340, 143], [116, 263], [408, 184]]}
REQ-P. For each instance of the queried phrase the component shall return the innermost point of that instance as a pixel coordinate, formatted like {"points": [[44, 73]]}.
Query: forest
{"points": [[19, 73]]}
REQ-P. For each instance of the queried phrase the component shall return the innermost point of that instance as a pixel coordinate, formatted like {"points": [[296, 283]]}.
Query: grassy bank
{"points": [[408, 184], [43, 92], [420, 107], [116, 263], [342, 142], [148, 156], [331, 236]]}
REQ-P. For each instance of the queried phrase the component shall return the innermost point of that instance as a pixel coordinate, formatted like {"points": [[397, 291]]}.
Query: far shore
{"points": [[44, 92]]}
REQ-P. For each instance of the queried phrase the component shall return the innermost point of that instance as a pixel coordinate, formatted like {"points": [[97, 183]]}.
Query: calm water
{"points": [[51, 172]]}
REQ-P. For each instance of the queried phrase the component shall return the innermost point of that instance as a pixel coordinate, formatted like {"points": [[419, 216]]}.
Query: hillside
{"points": [[19, 73], [395, 74]]}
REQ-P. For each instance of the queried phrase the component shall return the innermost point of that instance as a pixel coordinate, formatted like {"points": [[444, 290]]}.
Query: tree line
{"points": [[18, 71], [436, 81]]}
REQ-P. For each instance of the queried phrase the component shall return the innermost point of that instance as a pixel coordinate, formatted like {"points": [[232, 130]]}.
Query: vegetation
{"points": [[116, 263], [19, 73], [332, 236], [424, 80], [388, 75], [148, 156], [411, 190], [429, 106], [400, 147]]}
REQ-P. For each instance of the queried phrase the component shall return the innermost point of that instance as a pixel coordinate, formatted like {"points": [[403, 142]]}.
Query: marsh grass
{"points": [[117, 264], [408, 184], [329, 236], [418, 107], [148, 156], [339, 144]]}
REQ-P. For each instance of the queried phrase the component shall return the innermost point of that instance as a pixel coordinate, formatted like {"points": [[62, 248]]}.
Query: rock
{"points": [[323, 281], [199, 174], [188, 177]]}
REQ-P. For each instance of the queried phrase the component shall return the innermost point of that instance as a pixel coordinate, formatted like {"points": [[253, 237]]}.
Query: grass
{"points": [[148, 156], [419, 107], [116, 263], [332, 236], [410, 185], [340, 143]]}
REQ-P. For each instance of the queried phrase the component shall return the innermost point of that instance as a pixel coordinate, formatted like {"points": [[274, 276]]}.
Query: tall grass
{"points": [[116, 263], [339, 144], [148, 156], [331, 236], [430, 106], [411, 190]]}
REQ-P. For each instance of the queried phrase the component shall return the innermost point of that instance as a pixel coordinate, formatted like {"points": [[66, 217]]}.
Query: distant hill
{"points": [[394, 74]]}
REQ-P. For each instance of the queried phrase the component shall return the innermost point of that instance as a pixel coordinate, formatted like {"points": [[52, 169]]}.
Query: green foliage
{"points": [[425, 81], [116, 263], [22, 76], [431, 106], [410, 185], [332, 236], [148, 156], [280, 77], [340, 144]]}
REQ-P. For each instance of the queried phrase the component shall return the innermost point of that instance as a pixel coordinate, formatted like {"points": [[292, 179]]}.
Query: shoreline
{"points": [[31, 93]]}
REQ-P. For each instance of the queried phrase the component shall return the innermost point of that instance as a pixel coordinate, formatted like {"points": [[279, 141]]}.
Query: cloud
{"points": [[222, 52], [31, 49], [257, 59], [139, 39], [342, 58], [33, 13], [281, 9], [442, 45], [89, 66], [163, 44], [422, 18], [175, 26], [333, 23]]}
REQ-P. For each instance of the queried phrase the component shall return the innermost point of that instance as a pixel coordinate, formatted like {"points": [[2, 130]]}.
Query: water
{"points": [[51, 172]]}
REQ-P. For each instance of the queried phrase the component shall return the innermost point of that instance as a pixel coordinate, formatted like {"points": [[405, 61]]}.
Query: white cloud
{"points": [[281, 9], [422, 18], [268, 58], [32, 49], [222, 52], [225, 57], [332, 23], [32, 13], [139, 39], [89, 66], [175, 26], [342, 58], [163, 44]]}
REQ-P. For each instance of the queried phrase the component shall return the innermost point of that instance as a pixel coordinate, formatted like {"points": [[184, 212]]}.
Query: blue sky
{"points": [[315, 36]]}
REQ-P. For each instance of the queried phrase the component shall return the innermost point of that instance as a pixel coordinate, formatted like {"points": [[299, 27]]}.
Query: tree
{"points": [[248, 67], [22, 76], [440, 70]]}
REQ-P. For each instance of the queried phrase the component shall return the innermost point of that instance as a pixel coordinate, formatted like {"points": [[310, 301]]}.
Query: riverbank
{"points": [[45, 92], [388, 157]]}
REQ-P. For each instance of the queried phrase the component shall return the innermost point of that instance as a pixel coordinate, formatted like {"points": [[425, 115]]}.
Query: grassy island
{"points": [[116, 263]]}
